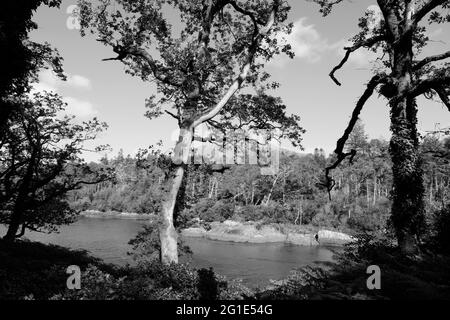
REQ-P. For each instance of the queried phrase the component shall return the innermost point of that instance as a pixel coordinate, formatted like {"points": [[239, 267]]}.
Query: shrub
{"points": [[441, 230]]}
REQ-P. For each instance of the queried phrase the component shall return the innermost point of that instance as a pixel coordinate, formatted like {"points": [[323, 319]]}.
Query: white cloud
{"points": [[79, 108], [48, 81], [78, 81], [309, 45], [306, 41]]}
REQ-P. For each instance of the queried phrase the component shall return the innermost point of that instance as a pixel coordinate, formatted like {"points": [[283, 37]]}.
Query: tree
{"points": [[221, 49], [40, 162], [399, 39], [20, 56], [357, 140]]}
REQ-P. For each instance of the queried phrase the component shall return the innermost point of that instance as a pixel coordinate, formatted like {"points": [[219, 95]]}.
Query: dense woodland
{"points": [[360, 200]]}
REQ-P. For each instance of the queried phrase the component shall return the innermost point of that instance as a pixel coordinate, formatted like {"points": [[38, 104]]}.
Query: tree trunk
{"points": [[407, 216], [367, 192], [408, 190], [167, 233], [19, 204], [13, 227], [374, 189]]}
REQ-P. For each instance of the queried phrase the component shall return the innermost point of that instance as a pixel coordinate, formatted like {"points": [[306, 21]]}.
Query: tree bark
{"points": [[408, 205], [19, 204], [167, 233], [408, 189]]}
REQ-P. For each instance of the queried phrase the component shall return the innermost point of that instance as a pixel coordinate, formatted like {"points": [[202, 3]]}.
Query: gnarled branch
{"points": [[427, 8], [443, 95], [366, 43], [341, 155], [244, 71], [430, 59]]}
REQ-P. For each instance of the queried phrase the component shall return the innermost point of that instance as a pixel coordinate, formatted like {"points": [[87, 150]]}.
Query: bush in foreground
{"points": [[422, 277], [31, 270]]}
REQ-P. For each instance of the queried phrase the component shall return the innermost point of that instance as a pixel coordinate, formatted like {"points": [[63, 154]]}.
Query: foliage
{"points": [[40, 162], [440, 238], [146, 245], [360, 200], [401, 75], [424, 277], [22, 58], [35, 271]]}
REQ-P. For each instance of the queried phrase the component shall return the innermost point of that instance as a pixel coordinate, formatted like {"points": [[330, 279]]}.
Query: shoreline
{"points": [[249, 232], [246, 232], [114, 214]]}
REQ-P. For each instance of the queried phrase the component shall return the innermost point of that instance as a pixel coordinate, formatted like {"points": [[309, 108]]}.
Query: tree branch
{"points": [[341, 155], [244, 71], [172, 115], [443, 95], [123, 52], [426, 8], [430, 59], [437, 83], [366, 43], [255, 21]]}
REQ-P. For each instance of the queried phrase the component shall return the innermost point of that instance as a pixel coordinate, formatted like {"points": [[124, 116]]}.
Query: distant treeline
{"points": [[296, 195]]}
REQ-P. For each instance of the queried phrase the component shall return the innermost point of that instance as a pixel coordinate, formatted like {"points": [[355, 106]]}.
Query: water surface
{"points": [[256, 264]]}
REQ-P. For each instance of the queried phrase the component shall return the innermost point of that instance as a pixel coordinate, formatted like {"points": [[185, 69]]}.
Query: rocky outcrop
{"points": [[326, 237], [114, 214], [250, 232]]}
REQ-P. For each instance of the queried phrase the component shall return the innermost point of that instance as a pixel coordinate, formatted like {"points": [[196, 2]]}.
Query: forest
{"points": [[360, 201], [209, 69]]}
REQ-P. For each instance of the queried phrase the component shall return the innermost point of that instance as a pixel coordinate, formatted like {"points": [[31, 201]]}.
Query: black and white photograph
{"points": [[224, 156]]}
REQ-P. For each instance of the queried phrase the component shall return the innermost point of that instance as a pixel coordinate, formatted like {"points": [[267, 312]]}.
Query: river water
{"points": [[255, 264]]}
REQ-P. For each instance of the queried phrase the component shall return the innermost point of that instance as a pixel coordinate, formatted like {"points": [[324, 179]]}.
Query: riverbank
{"points": [[115, 214], [253, 232], [246, 232]]}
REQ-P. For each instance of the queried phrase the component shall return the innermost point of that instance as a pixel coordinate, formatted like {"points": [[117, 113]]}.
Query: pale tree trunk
{"points": [[374, 189], [367, 192], [266, 203], [167, 233]]}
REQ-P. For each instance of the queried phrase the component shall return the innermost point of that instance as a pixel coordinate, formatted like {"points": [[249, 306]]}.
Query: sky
{"points": [[103, 89]]}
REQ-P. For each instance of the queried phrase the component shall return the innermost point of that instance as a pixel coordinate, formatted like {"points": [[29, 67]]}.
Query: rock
{"points": [[234, 231], [194, 232], [231, 223], [301, 239], [327, 237]]}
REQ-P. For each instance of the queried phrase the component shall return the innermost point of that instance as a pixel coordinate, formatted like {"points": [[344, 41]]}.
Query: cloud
{"points": [[307, 43], [310, 46], [48, 81], [79, 108], [78, 81]]}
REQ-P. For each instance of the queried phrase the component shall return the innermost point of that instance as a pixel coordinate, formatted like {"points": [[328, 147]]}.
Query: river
{"points": [[255, 264]]}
